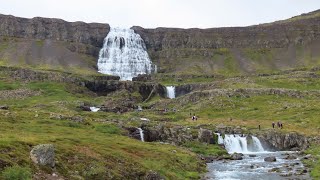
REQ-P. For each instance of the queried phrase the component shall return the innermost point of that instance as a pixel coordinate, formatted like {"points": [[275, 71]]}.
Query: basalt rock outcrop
{"points": [[45, 41], [275, 140], [207, 50], [91, 34]]}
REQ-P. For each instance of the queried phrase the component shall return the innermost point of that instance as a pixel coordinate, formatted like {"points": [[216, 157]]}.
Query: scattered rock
{"points": [[291, 157], [4, 107], [286, 174], [252, 155], [308, 156], [152, 175], [236, 156], [85, 108], [270, 159], [43, 154], [274, 170]]}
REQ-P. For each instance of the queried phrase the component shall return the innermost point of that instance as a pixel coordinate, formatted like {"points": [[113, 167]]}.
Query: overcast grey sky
{"points": [[162, 13]]}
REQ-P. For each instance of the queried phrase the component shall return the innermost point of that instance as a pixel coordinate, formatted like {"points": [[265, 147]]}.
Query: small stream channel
{"points": [[253, 166]]}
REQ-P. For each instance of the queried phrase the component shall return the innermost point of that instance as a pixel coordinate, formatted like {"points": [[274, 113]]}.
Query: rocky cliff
{"points": [[50, 43], [236, 50], [279, 45]]}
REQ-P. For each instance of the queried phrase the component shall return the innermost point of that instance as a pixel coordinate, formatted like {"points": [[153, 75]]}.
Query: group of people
{"points": [[279, 124], [194, 117]]}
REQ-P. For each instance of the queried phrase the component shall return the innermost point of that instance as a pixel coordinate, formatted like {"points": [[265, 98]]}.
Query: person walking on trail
{"points": [[259, 127], [273, 125], [278, 124], [281, 125]]}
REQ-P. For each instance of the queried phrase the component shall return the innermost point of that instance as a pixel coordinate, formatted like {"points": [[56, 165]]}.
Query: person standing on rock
{"points": [[273, 125], [259, 127], [281, 125]]}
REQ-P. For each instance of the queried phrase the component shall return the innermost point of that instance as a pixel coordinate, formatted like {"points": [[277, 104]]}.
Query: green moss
{"points": [[205, 149], [16, 173]]}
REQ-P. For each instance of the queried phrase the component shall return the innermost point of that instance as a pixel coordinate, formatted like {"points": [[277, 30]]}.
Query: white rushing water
{"points": [[141, 134], [94, 109], [171, 92], [253, 165], [124, 54], [240, 144]]}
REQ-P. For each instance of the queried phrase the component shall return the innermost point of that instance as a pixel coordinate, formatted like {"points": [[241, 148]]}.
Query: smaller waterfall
{"points": [[220, 138], [240, 144], [94, 109], [141, 134], [171, 92]]}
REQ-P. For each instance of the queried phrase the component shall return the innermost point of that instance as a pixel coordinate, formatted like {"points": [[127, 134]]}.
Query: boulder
{"points": [[4, 107], [43, 154], [270, 159], [236, 156], [252, 155], [291, 157], [206, 136]]}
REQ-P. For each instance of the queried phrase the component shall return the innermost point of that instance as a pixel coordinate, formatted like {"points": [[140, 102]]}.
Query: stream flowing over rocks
{"points": [[250, 160]]}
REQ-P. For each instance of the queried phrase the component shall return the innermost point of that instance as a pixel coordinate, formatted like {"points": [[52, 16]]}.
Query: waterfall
{"points": [[141, 134], [124, 54], [94, 109], [240, 144], [171, 92]]}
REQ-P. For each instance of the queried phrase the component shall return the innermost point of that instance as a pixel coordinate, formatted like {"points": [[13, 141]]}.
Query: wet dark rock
{"points": [[270, 159], [206, 136], [236, 156], [133, 132], [291, 157], [43, 154], [252, 155], [286, 174], [275, 170], [85, 108], [4, 107]]}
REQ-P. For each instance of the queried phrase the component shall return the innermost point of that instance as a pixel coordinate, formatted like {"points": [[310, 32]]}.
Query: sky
{"points": [[162, 13]]}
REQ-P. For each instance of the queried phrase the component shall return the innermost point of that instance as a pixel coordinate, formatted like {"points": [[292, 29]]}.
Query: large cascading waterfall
{"points": [[171, 92], [240, 144], [124, 54]]}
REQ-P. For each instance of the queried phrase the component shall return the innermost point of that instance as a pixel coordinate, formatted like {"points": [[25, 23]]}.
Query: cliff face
{"points": [[50, 43], [54, 29], [263, 48], [279, 45]]}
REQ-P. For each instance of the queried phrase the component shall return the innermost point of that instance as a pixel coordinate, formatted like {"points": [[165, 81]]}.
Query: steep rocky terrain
{"points": [[224, 76], [236, 50], [267, 47], [50, 43]]}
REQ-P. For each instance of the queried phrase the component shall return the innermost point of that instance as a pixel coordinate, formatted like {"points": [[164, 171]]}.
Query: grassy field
{"points": [[98, 147], [88, 149]]}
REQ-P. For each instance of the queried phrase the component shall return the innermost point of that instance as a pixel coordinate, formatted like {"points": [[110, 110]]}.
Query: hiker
{"points": [[273, 125], [196, 118], [281, 126], [278, 124], [192, 118], [259, 127]]}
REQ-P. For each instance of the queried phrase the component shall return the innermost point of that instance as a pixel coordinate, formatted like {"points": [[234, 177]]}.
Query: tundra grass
{"points": [[89, 149]]}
